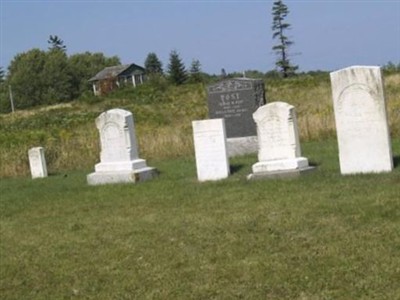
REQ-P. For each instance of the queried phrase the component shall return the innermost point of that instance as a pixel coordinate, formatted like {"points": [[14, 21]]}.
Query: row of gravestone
{"points": [[279, 152], [361, 122], [360, 114]]}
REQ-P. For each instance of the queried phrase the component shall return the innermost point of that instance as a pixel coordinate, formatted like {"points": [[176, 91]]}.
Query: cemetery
{"points": [[149, 195]]}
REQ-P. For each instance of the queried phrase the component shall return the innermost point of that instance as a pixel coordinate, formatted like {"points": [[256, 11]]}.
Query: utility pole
{"points": [[11, 98]]}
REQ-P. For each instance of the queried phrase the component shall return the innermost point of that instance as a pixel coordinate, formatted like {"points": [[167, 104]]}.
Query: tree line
{"points": [[177, 73], [43, 77], [39, 77]]}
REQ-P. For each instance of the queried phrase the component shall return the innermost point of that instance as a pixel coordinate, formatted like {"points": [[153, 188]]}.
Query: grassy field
{"points": [[321, 236]]}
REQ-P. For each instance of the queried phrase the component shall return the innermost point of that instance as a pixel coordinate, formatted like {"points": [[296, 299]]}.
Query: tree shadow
{"points": [[396, 161], [236, 168]]}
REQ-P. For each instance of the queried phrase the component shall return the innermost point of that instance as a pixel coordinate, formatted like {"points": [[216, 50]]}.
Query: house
{"points": [[116, 76]]}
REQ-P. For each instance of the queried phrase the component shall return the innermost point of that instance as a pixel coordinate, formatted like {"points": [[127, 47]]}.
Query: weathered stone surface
{"points": [[282, 174], [37, 162], [361, 120], [133, 176], [280, 164], [119, 160], [279, 152], [242, 145], [277, 132], [210, 149], [236, 100]]}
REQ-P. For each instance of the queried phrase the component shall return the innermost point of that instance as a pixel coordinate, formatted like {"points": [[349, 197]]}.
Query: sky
{"points": [[234, 35]]}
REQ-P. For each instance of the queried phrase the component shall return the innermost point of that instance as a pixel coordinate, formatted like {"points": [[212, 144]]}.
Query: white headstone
{"points": [[210, 148], [361, 120], [119, 161], [37, 162], [279, 147]]}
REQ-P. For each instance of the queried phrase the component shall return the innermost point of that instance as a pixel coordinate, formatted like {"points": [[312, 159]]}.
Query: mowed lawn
{"points": [[321, 236]]}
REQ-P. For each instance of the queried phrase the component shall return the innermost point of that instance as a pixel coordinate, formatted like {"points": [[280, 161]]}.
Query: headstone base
{"points": [[242, 145], [120, 166], [280, 168], [133, 176], [281, 174], [280, 165]]}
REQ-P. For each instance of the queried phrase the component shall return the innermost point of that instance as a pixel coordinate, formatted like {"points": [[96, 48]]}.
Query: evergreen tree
{"points": [[1, 75], [223, 73], [176, 69], [153, 65], [195, 71], [4, 103], [56, 43], [279, 13]]}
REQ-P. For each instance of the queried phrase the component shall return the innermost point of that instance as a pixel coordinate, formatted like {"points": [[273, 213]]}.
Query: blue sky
{"points": [[235, 35]]}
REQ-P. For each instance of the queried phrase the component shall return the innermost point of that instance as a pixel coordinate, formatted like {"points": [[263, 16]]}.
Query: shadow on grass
{"points": [[312, 163], [396, 161], [236, 168], [57, 174]]}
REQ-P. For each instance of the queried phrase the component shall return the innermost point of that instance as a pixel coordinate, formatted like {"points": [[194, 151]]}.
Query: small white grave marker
{"points": [[37, 162], [361, 120], [119, 153], [210, 149], [279, 151]]}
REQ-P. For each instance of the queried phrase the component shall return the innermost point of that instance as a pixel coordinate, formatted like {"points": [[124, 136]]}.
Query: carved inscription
{"points": [[34, 158], [235, 100], [113, 143], [230, 106], [230, 86], [363, 122], [277, 132]]}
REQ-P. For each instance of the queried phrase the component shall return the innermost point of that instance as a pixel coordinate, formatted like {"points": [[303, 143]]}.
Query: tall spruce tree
{"points": [[153, 65], [195, 71], [2, 75], [279, 13], [56, 43], [176, 69]]}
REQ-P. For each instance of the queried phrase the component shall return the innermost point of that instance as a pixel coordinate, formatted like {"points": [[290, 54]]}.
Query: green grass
{"points": [[321, 236]]}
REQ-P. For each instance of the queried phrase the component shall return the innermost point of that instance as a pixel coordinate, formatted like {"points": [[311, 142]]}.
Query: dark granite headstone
{"points": [[236, 100]]}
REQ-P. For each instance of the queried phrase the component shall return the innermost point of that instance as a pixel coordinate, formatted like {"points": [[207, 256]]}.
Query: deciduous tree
{"points": [[25, 77], [56, 78], [83, 66], [39, 77]]}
